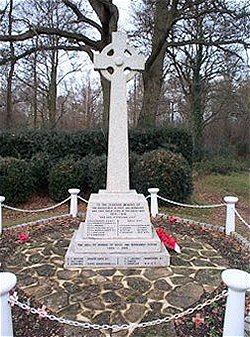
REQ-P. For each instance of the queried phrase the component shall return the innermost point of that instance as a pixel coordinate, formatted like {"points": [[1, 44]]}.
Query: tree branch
{"points": [[80, 16], [30, 51], [108, 14], [50, 31], [210, 43]]}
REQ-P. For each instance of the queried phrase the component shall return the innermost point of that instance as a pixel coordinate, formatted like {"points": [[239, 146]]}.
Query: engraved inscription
{"points": [[114, 246], [120, 260], [117, 220]]}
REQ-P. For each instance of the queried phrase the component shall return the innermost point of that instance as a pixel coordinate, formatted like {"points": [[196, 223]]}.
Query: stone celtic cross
{"points": [[118, 63]]}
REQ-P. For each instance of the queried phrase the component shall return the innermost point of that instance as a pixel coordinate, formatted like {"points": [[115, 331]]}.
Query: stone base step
{"points": [[132, 260], [117, 245]]}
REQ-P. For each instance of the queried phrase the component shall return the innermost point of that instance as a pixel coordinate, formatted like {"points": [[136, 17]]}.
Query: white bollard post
{"points": [[1, 216], [73, 201], [238, 281], [230, 217], [8, 281], [154, 210]]}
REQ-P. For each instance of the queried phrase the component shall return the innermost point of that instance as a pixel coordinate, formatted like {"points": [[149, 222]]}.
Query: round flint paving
{"points": [[113, 296]]}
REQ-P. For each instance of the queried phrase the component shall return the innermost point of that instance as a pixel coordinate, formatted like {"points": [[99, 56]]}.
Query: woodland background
{"points": [[196, 75]]}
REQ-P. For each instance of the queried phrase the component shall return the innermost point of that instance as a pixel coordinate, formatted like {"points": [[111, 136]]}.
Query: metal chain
{"points": [[36, 210], [188, 205], [114, 327]]}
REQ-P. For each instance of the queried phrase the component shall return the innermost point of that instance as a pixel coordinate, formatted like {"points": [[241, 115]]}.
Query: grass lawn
{"points": [[210, 189], [235, 184]]}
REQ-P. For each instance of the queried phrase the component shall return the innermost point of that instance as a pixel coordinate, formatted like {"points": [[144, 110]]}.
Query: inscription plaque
{"points": [[117, 219], [129, 260]]}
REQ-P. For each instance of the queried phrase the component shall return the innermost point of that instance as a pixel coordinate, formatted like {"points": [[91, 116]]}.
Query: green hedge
{"points": [[68, 173], [16, 180], [41, 164], [97, 172], [159, 168], [59, 144], [168, 171], [177, 140]]}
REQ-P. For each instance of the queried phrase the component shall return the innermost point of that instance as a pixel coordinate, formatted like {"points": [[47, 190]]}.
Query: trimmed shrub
{"points": [[68, 173], [40, 165], [97, 172], [159, 168], [174, 139], [60, 144], [166, 170], [16, 180]]}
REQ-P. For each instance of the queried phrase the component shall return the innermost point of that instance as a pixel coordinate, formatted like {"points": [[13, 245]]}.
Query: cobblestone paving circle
{"points": [[115, 296]]}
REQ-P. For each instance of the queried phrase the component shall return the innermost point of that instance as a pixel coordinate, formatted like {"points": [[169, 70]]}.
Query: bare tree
{"points": [[9, 101], [195, 37], [85, 32], [164, 26]]}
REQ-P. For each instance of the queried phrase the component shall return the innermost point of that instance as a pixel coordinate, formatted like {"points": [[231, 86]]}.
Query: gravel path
{"points": [[115, 296]]}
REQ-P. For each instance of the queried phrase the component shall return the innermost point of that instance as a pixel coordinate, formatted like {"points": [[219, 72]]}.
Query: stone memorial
{"points": [[117, 231]]}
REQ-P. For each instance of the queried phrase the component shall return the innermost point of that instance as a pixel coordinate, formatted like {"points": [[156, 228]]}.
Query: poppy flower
{"points": [[23, 238]]}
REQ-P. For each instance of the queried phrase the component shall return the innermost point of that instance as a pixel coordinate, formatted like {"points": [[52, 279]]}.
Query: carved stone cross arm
{"points": [[118, 63], [118, 58]]}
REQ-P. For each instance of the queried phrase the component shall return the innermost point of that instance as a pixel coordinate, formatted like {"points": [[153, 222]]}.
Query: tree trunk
{"points": [[9, 98], [153, 74], [35, 84], [197, 113], [152, 82], [106, 101], [52, 94]]}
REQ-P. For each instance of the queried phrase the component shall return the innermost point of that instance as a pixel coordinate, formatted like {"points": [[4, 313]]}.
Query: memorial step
{"points": [[121, 260], [116, 245]]}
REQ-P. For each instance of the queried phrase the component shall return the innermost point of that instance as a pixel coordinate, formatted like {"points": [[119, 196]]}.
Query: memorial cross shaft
{"points": [[118, 63]]}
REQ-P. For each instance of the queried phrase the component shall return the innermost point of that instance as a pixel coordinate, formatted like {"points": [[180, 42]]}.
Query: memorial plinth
{"points": [[117, 231]]}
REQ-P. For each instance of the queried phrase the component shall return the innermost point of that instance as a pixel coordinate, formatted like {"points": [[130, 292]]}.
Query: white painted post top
{"points": [[8, 281], [74, 191], [231, 199], [2, 199], [236, 279], [153, 190]]}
